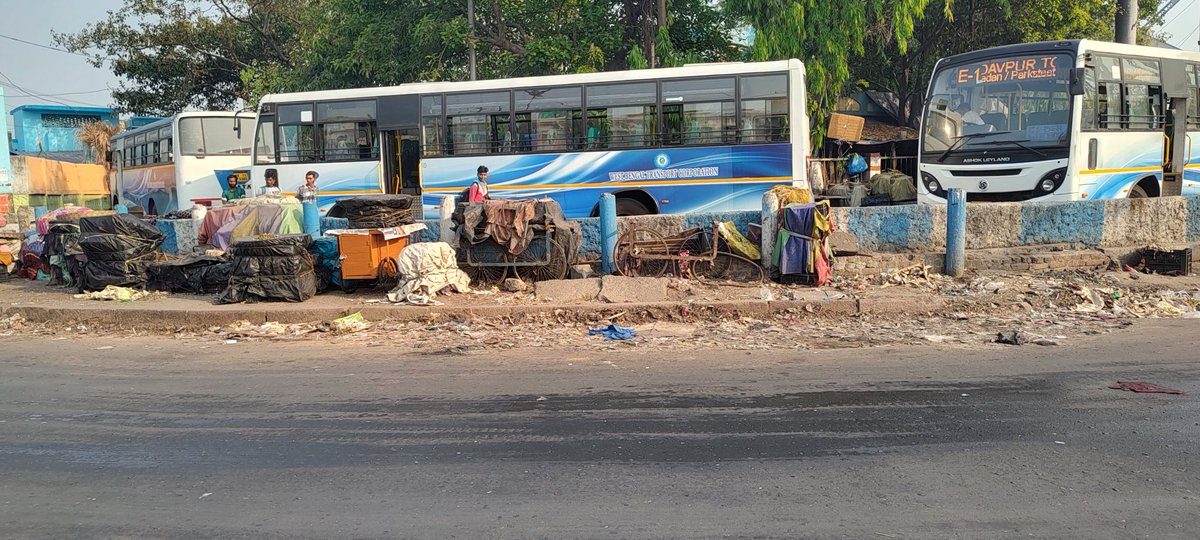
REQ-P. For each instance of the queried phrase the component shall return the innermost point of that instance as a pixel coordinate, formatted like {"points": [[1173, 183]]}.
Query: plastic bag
{"points": [[856, 165]]}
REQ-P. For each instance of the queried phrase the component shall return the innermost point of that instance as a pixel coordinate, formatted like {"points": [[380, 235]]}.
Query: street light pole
{"points": [[471, 36], [1126, 24]]}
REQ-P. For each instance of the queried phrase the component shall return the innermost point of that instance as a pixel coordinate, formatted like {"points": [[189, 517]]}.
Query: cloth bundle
{"points": [[115, 250], [801, 247], [272, 268]]}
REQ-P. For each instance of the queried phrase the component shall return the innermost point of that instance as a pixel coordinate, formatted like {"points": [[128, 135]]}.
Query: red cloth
{"points": [[1143, 387]]}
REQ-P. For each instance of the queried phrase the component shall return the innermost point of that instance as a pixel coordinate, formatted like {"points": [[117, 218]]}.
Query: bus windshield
{"points": [[214, 135], [1018, 103]]}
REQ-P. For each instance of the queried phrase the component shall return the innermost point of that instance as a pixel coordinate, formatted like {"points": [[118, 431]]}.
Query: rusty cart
{"points": [[693, 253], [489, 263]]}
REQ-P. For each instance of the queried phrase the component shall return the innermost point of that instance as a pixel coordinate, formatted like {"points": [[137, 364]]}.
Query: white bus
{"points": [[673, 140], [171, 163], [1055, 121]]}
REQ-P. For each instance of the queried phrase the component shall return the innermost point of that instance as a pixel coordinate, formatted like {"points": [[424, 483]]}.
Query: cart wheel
{"points": [[633, 245], [545, 260], [349, 288], [729, 266], [486, 276], [388, 274]]}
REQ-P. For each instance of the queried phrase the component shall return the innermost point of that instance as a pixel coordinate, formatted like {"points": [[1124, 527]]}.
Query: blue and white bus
{"points": [[709, 137], [1055, 121]]}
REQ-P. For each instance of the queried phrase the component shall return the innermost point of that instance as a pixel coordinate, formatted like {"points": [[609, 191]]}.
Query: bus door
{"points": [[399, 124]]}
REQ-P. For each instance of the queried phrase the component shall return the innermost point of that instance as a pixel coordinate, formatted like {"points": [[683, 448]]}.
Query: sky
{"points": [[68, 79]]}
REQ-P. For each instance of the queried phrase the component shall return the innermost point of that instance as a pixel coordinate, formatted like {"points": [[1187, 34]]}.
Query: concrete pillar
{"points": [[770, 230], [445, 232], [956, 232], [608, 232]]}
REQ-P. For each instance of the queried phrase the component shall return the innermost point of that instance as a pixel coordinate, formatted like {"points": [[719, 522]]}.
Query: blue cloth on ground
{"points": [[613, 331]]}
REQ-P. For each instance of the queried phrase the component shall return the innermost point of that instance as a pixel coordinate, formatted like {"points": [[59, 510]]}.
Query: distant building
{"points": [[49, 129], [52, 131]]}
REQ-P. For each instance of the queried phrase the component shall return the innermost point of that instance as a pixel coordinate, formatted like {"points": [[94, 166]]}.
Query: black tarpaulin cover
{"points": [[275, 268]]}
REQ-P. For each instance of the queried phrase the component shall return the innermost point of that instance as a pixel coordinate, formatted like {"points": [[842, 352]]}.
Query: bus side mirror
{"points": [[1077, 78], [237, 126]]}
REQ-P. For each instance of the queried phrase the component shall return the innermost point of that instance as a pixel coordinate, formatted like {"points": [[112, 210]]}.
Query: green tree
{"points": [[827, 36], [176, 54], [951, 27]]}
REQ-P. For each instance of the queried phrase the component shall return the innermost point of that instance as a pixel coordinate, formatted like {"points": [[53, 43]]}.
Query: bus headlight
{"points": [[1051, 181], [932, 185]]}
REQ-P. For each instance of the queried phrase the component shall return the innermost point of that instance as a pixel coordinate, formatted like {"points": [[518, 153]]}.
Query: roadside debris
{"points": [[113, 292], [1012, 337], [349, 324], [613, 331], [1143, 387]]}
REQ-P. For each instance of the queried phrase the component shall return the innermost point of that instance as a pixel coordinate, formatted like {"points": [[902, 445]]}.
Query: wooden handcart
{"points": [[693, 253], [489, 263], [369, 256]]}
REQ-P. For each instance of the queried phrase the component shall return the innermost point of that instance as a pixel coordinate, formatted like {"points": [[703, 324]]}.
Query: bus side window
{"points": [[764, 109], [1088, 116], [1109, 105]]}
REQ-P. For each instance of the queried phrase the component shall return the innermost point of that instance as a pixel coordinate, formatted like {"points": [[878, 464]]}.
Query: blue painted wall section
{"points": [[1193, 219], [892, 228], [329, 223], [1052, 223]]}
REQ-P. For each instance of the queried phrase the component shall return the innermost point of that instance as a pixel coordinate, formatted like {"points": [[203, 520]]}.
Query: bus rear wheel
{"points": [[631, 207], [1138, 192]]}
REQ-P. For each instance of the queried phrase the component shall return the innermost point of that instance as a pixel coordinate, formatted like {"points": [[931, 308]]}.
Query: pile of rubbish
{"points": [[271, 268]]}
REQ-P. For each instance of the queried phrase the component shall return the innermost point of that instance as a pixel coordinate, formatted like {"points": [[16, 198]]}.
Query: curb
{"points": [[189, 319]]}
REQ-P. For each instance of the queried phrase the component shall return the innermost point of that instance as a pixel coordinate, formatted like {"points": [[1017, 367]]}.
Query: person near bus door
{"points": [[478, 192], [308, 192]]}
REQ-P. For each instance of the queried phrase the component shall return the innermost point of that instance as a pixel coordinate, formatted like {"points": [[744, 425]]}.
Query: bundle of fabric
{"points": [[30, 259], [327, 262], [894, 184], [377, 211], [801, 250], [222, 226], [271, 268], [515, 223], [61, 238], [202, 274], [65, 213], [427, 268], [790, 195], [115, 250]]}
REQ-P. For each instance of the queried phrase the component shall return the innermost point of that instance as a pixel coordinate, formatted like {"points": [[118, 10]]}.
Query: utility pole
{"points": [[471, 36], [1126, 27]]}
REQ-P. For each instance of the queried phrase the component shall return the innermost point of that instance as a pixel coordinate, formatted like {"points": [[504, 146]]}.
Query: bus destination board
{"points": [[1017, 69]]}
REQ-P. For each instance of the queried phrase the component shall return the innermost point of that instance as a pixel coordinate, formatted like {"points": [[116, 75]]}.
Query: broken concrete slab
{"points": [[567, 290], [582, 271], [627, 290], [843, 243]]}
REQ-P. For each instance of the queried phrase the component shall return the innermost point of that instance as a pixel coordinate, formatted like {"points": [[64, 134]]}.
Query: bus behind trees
{"points": [[673, 140], [1057, 121], [166, 165]]}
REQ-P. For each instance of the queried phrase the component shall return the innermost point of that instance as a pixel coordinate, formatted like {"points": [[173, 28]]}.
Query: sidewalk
{"points": [[574, 300]]}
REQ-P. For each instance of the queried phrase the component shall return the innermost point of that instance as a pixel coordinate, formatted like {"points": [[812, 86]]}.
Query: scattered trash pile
{"points": [[272, 268]]}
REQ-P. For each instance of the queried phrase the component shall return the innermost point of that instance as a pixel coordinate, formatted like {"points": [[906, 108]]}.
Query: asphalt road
{"points": [[156, 437]]}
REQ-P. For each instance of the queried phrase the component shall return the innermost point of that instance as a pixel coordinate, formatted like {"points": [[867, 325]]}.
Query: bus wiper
{"points": [[1020, 143], [962, 139]]}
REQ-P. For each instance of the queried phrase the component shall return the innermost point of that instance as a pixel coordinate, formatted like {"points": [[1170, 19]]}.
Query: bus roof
{"points": [[168, 121], [1073, 45], [691, 70]]}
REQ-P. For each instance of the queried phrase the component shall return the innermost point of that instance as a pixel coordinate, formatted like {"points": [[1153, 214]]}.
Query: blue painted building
{"points": [[54, 128]]}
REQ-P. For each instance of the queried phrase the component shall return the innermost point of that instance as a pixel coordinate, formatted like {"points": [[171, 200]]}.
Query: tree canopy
{"points": [[214, 54]]}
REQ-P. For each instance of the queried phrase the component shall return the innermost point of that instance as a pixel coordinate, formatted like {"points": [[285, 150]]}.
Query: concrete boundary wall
{"points": [[1166, 221]]}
